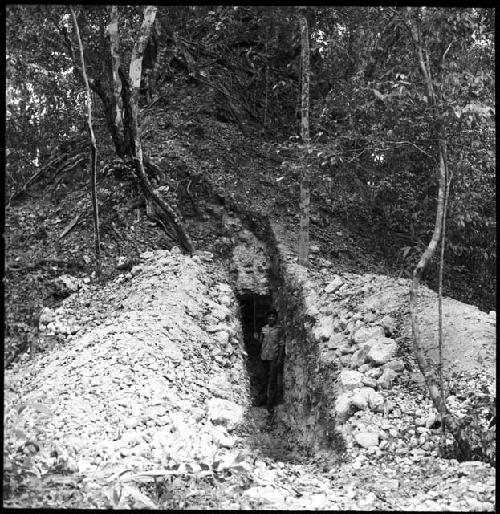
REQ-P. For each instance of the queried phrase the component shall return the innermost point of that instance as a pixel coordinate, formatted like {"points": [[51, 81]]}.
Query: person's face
{"points": [[271, 319]]}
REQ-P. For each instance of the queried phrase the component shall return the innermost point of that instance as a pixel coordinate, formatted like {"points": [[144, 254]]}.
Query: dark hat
{"points": [[272, 311]]}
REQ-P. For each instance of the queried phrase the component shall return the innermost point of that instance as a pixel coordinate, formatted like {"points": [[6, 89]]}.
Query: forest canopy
{"points": [[372, 125]]}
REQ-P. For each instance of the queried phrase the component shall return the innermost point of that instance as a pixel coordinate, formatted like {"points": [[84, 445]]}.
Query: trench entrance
{"points": [[254, 309]]}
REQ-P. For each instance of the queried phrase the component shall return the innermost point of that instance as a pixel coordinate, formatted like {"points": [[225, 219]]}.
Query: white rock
{"points": [[369, 382], [358, 358], [367, 439], [366, 333], [224, 412], [382, 351], [350, 379], [369, 499], [227, 441], [374, 373], [225, 300], [157, 455], [220, 387], [389, 324], [432, 420], [386, 379], [323, 329], [124, 452], [334, 285], [178, 421], [46, 316], [225, 288], [51, 329], [360, 397], [335, 341], [265, 494], [343, 407], [375, 401], [222, 338], [221, 313], [396, 364]]}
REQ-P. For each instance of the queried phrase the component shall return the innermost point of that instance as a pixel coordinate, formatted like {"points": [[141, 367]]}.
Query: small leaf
{"points": [[378, 95]]}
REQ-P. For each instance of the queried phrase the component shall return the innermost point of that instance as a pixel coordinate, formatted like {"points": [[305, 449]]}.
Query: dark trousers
{"points": [[269, 388]]}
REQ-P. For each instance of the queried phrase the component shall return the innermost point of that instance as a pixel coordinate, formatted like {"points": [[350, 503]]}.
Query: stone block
{"points": [[374, 373], [385, 381], [396, 364], [224, 412], [389, 325], [46, 316], [375, 401], [323, 330], [369, 382], [367, 439], [336, 341], [220, 387], [359, 358], [343, 407], [361, 397], [335, 284], [350, 379], [382, 350], [364, 334]]}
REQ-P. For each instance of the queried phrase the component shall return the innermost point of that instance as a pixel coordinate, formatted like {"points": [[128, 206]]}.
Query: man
{"points": [[272, 353]]}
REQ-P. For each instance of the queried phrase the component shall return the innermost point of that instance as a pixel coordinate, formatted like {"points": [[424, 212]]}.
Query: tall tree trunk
{"points": [[135, 85], [93, 154], [105, 97], [305, 201], [433, 382], [116, 106]]}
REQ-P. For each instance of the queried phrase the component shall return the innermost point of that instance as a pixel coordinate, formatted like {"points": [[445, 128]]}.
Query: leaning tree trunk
{"points": [[305, 200], [93, 154], [135, 84], [433, 382]]}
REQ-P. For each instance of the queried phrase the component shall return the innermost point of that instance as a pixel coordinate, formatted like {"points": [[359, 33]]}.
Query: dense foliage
{"points": [[372, 127]]}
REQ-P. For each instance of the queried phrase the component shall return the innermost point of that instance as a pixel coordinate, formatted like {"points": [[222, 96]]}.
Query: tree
{"points": [[305, 200], [435, 385], [135, 86], [93, 154], [117, 104], [427, 61], [121, 104]]}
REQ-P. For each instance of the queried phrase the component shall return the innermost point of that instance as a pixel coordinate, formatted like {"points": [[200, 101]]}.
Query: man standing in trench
{"points": [[272, 354]]}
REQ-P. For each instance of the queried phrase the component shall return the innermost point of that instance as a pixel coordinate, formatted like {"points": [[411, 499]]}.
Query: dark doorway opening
{"points": [[254, 311]]}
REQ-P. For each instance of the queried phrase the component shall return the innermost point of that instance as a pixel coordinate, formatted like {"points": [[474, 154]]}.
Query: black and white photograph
{"points": [[249, 257]]}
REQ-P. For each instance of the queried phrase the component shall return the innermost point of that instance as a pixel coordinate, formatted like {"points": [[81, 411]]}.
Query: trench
{"points": [[253, 313]]}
